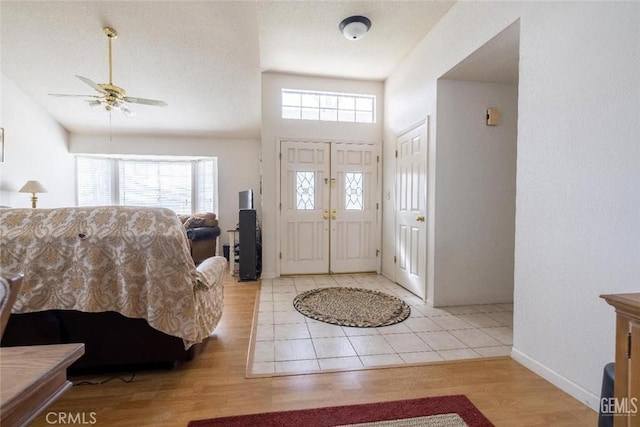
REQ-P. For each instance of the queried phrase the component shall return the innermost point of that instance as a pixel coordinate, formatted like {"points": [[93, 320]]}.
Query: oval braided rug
{"points": [[361, 308]]}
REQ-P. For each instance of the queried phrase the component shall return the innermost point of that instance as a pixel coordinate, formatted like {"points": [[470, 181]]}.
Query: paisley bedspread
{"points": [[131, 260]]}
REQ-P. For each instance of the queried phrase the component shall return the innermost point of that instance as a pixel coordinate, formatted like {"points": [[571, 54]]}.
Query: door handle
{"points": [[325, 214], [420, 218], [334, 214]]}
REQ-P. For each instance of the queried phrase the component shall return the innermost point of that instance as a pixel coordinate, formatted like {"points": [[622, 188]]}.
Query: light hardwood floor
{"points": [[214, 385]]}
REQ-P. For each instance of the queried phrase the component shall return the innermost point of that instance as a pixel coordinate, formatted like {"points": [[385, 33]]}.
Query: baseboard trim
{"points": [[268, 275], [387, 276], [560, 381]]}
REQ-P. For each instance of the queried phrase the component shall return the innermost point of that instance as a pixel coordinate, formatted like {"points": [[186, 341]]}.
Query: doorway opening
{"points": [[455, 223], [475, 177]]}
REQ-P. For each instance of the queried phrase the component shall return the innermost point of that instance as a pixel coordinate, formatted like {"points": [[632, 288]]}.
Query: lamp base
{"points": [[34, 200]]}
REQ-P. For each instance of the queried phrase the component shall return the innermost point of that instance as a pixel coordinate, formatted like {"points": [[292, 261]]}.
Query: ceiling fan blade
{"points": [[145, 101], [77, 96], [92, 84]]}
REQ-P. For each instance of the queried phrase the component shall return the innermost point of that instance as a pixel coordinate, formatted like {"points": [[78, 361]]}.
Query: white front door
{"points": [[354, 171], [411, 212], [304, 208], [328, 207]]}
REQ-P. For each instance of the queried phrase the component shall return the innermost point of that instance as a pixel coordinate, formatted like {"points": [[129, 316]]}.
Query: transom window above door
{"points": [[328, 106]]}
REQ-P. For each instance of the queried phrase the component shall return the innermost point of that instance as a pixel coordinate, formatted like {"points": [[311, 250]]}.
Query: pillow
{"points": [[209, 219], [201, 220], [183, 217], [193, 222]]}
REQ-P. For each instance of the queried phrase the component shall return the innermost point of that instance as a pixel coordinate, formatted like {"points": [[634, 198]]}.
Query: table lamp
{"points": [[33, 187]]}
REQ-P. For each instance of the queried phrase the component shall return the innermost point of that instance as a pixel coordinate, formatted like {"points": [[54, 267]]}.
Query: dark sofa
{"points": [[112, 341], [203, 242], [202, 232]]}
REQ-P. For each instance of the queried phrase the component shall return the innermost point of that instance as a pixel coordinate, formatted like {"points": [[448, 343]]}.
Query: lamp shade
{"points": [[33, 187]]}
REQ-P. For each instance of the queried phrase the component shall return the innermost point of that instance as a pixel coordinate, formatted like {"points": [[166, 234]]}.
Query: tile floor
{"points": [[286, 342]]}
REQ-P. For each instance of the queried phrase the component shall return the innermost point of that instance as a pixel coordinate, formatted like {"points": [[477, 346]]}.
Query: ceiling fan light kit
{"points": [[355, 27], [110, 96]]}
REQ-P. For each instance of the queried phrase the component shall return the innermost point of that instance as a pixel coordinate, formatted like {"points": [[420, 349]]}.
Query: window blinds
{"points": [[206, 185], [94, 181], [184, 186], [152, 183]]}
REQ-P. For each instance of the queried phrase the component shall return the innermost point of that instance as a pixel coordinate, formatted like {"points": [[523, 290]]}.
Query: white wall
{"points": [[238, 163], [578, 168], [475, 194], [274, 129], [36, 148]]}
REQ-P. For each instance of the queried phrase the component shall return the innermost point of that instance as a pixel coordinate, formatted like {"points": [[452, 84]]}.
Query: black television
{"points": [[245, 199]]}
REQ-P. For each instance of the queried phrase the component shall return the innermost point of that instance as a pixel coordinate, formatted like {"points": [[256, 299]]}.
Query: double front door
{"points": [[329, 207]]}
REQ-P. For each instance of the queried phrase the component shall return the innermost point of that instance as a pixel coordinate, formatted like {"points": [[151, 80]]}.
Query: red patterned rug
{"points": [[429, 411]]}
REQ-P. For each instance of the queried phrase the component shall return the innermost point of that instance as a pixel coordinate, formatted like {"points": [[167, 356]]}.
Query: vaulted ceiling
{"points": [[203, 58]]}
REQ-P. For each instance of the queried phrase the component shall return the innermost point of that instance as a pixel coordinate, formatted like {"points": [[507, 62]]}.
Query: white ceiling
{"points": [[203, 58], [497, 61]]}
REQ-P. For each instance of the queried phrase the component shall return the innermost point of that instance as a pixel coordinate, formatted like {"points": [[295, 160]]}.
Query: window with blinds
{"points": [[184, 186], [206, 181], [95, 181], [152, 183]]}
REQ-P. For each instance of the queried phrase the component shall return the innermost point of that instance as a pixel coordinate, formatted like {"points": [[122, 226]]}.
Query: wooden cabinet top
{"points": [[32, 375], [628, 304]]}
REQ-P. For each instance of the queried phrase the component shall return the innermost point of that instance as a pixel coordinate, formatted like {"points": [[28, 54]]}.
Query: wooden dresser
{"points": [[32, 378], [627, 381]]}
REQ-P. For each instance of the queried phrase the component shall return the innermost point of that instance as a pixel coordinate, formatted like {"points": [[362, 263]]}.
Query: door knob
{"points": [[334, 214], [325, 214], [420, 218]]}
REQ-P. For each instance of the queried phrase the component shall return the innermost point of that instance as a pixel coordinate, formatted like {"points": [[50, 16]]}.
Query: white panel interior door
{"points": [[305, 207], [411, 226], [354, 189]]}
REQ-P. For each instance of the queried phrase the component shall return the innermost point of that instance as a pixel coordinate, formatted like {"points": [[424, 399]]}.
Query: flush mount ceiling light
{"points": [[355, 27]]}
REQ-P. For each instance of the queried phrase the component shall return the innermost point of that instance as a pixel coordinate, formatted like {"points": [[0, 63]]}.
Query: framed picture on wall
{"points": [[1, 144]]}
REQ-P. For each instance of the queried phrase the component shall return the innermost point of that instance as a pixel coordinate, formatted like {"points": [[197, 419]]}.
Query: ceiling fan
{"points": [[110, 96]]}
